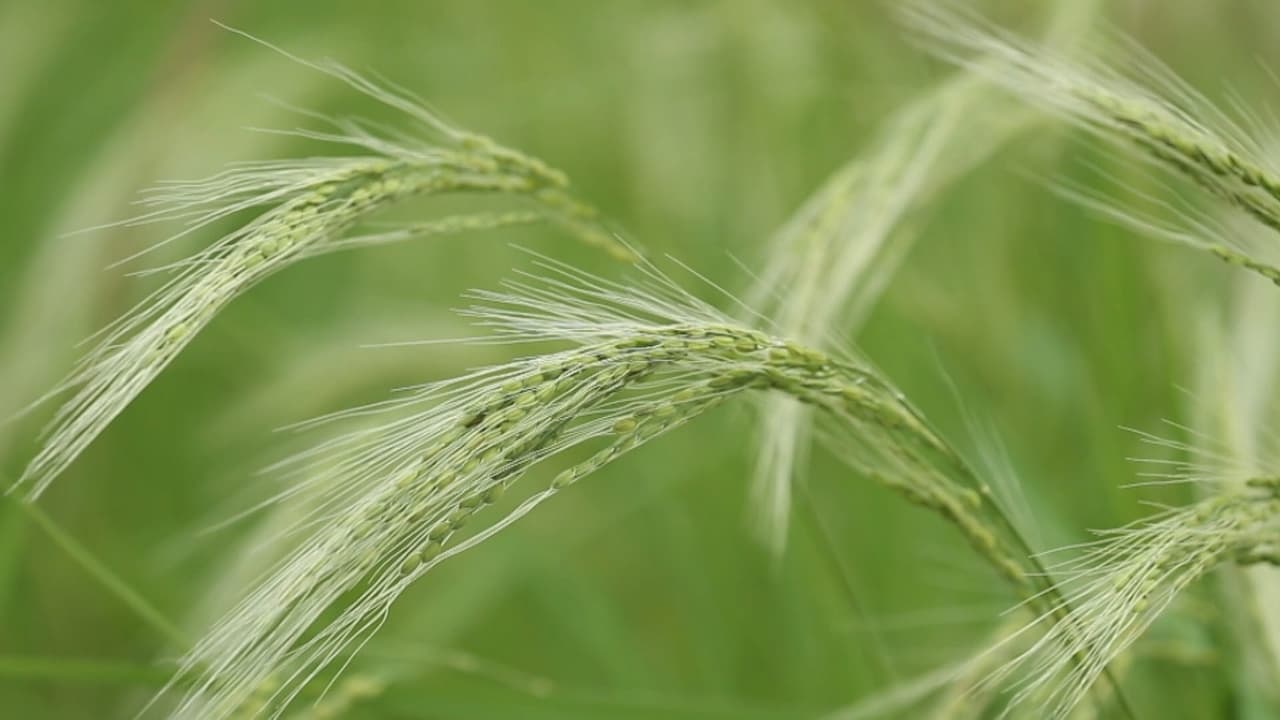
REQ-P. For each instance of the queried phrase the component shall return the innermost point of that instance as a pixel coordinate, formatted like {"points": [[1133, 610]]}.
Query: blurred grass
{"points": [[698, 126]]}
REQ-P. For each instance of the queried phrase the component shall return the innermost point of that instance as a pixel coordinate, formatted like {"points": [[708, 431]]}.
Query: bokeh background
{"points": [[698, 127]]}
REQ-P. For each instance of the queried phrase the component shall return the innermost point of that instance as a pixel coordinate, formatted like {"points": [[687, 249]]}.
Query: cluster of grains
{"points": [[405, 496], [1126, 580], [311, 208], [1150, 110], [1187, 146]]}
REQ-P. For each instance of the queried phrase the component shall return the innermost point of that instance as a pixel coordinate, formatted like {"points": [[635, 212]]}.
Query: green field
{"points": [[1045, 341]]}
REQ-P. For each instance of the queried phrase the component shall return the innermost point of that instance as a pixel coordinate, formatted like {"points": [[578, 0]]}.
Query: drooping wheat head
{"points": [[306, 208], [400, 498]]}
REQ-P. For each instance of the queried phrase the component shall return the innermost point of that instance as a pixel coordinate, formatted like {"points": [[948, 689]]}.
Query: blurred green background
{"points": [[698, 127]]}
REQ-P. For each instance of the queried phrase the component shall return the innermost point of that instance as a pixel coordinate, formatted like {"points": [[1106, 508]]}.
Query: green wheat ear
{"points": [[1142, 107], [1126, 580], [307, 208], [394, 501]]}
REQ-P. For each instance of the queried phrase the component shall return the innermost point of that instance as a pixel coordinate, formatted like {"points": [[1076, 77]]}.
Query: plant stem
{"points": [[109, 580], [89, 671]]}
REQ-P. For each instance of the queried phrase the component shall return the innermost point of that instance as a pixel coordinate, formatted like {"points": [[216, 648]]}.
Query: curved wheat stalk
{"points": [[306, 208]]}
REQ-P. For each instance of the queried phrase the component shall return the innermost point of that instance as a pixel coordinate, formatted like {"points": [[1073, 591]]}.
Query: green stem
{"points": [[88, 671], [105, 577]]}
